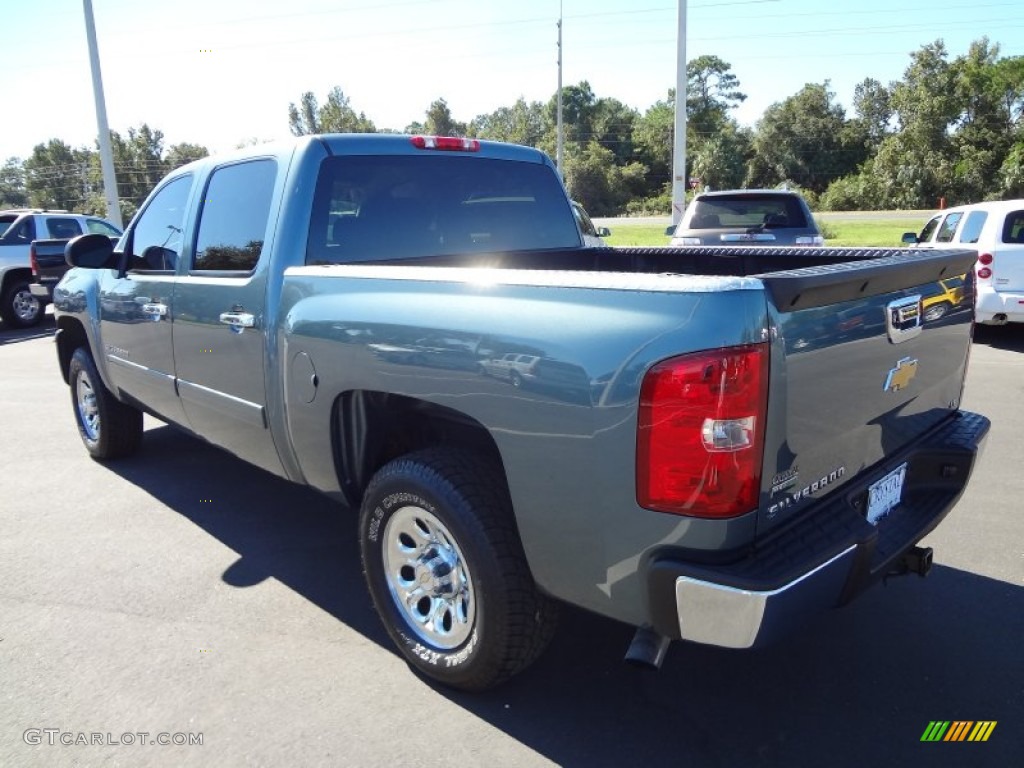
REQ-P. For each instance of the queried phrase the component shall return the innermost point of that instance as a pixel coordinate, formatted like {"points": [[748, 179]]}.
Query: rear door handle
{"points": [[237, 321]]}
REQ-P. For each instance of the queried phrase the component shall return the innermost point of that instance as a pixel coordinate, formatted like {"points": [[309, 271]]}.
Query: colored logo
{"points": [[959, 730], [900, 376]]}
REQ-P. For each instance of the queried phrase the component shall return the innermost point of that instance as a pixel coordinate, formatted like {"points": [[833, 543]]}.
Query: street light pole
{"points": [[558, 129], [679, 178], [106, 153]]}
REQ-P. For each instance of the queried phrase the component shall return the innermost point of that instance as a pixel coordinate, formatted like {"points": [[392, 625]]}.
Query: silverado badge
{"points": [[900, 376]]}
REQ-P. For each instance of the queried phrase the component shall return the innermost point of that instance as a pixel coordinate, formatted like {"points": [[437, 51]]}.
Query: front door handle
{"points": [[155, 310], [238, 320]]}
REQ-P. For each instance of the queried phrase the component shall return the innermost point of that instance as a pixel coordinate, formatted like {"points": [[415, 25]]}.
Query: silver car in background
{"points": [[747, 217]]}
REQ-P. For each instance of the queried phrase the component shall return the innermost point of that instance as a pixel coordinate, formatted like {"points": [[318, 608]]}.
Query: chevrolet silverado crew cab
{"points": [[996, 231], [689, 445], [19, 306]]}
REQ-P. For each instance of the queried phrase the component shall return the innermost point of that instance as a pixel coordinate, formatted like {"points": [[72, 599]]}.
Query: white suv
{"points": [[18, 228], [996, 231]]}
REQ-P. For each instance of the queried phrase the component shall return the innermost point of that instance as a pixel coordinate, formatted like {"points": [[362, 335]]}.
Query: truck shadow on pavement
{"points": [[1009, 337], [857, 688], [9, 335]]}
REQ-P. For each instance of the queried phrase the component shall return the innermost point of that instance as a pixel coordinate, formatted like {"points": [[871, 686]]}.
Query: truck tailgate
{"points": [[864, 375]]}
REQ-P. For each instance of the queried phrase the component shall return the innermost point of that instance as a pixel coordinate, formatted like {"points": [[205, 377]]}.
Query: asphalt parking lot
{"points": [[183, 593]]}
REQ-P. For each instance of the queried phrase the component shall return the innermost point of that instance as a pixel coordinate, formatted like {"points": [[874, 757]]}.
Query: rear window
{"points": [[1013, 229], [746, 211], [372, 208]]}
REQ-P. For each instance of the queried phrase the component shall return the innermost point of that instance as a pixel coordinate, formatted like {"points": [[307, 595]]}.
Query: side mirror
{"points": [[92, 251], [670, 231], [604, 232], [910, 238]]}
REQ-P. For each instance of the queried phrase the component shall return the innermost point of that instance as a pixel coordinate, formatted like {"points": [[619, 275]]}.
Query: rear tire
{"points": [[109, 429], [447, 572], [19, 308]]}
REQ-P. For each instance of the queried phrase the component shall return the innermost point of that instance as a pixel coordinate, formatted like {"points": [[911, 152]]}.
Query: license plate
{"points": [[884, 495]]}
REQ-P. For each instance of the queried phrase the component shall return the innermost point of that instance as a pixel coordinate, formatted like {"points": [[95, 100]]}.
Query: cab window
{"points": [[63, 228], [156, 238], [929, 229], [100, 227], [948, 227], [234, 217], [971, 231]]}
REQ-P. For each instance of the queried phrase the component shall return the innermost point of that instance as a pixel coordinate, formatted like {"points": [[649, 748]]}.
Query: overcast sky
{"points": [[221, 72]]}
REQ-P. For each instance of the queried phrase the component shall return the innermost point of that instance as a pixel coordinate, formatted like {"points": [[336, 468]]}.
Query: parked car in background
{"points": [[19, 307], [745, 217], [996, 231], [592, 236]]}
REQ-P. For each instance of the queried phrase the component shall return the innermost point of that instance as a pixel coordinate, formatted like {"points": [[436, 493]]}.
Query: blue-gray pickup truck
{"points": [[706, 443]]}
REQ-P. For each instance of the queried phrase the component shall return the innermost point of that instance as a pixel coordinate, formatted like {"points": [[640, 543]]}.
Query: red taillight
{"points": [[700, 436], [446, 143], [984, 272], [32, 260]]}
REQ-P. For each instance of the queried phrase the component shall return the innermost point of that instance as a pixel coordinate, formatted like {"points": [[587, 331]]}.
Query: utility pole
{"points": [[679, 179], [106, 153], [558, 129]]}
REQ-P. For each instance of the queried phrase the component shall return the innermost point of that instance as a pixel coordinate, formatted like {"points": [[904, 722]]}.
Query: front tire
{"points": [[19, 308], [447, 572], [109, 429]]}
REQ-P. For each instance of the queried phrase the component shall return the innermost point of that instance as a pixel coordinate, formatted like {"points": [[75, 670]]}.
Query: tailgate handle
{"points": [[238, 320]]}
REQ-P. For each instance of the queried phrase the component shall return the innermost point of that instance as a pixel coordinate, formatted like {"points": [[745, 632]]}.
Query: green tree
{"points": [[12, 184], [805, 139], [872, 103], [522, 123], [57, 176], [181, 154], [593, 178], [335, 116], [138, 163], [711, 91], [440, 122]]}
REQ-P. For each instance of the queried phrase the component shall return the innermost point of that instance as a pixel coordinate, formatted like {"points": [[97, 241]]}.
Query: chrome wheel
{"points": [[428, 578], [26, 306], [88, 408]]}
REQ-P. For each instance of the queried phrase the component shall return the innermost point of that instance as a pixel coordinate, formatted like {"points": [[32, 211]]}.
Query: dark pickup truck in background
{"points": [[48, 264], [689, 443], [20, 305]]}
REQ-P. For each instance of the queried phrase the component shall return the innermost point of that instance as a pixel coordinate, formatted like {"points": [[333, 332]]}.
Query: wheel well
{"points": [[70, 336], [369, 429], [11, 275]]}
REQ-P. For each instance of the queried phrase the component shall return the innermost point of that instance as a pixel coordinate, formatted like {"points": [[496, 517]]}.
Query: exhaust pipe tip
{"points": [[648, 649]]}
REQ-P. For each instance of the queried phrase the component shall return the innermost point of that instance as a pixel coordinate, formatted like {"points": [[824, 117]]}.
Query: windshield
{"points": [[746, 211]]}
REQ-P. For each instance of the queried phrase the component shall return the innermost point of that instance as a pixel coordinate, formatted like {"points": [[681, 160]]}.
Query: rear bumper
{"points": [[990, 304], [822, 560], [42, 291]]}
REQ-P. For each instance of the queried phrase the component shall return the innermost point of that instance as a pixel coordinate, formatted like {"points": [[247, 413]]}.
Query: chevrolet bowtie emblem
{"points": [[900, 376]]}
